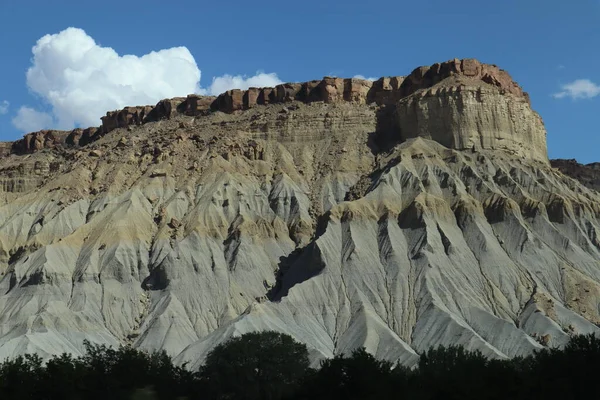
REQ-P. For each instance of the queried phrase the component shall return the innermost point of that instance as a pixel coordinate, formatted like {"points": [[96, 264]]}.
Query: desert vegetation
{"points": [[271, 366]]}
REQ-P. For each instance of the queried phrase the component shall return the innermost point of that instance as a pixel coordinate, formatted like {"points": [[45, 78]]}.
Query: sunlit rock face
{"points": [[397, 215], [462, 114]]}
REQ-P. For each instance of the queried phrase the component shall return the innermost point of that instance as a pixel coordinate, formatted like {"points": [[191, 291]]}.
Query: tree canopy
{"points": [[271, 365], [258, 365]]}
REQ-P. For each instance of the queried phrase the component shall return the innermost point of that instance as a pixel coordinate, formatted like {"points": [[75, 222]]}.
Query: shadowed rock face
{"points": [[460, 113], [391, 215], [36, 141], [587, 174]]}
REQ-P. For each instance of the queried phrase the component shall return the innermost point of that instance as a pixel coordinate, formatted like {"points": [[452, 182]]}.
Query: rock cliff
{"points": [[396, 215], [471, 104], [463, 114]]}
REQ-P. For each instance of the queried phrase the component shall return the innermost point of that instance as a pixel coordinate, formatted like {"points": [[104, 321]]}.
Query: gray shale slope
{"points": [[397, 215]]}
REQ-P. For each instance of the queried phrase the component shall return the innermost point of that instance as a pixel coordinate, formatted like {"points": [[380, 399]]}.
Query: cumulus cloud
{"points": [[30, 120], [226, 82], [579, 89], [363, 77], [4, 107], [80, 80]]}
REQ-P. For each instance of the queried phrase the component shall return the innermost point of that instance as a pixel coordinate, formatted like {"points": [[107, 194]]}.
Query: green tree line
{"points": [[273, 366]]}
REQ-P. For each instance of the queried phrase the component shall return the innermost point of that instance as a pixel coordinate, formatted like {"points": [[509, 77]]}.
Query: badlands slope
{"points": [[429, 217]]}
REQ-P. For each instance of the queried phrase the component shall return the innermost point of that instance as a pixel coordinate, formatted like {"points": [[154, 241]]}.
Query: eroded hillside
{"points": [[396, 215]]}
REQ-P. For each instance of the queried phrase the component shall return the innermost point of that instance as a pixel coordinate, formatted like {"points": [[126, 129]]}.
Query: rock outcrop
{"points": [[452, 90], [327, 90], [35, 141], [394, 215], [463, 114], [125, 117], [587, 174], [386, 90], [5, 149], [426, 77]]}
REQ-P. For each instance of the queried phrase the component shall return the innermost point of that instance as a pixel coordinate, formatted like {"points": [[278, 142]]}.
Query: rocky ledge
{"points": [[462, 104]]}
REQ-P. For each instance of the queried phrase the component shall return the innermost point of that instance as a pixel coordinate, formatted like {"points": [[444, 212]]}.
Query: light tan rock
{"points": [[464, 115]]}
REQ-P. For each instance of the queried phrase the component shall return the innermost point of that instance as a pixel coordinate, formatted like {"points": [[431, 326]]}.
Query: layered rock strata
{"points": [[462, 114], [338, 219], [444, 102]]}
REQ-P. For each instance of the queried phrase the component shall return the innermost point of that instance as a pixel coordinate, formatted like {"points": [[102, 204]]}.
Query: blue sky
{"points": [[545, 45]]}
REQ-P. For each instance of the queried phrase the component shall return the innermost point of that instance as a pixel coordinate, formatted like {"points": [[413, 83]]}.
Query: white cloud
{"points": [[4, 107], [81, 80], [226, 82], [30, 120], [363, 77], [579, 89]]}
